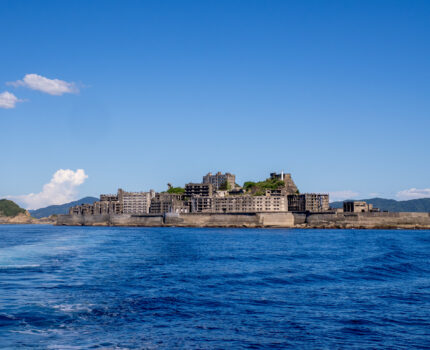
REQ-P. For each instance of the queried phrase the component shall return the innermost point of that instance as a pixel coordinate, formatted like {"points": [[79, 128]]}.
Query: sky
{"points": [[101, 95]]}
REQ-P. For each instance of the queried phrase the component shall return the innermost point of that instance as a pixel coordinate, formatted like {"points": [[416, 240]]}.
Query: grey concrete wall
{"points": [[217, 220], [83, 220], [136, 220], [235, 220], [276, 219], [285, 219], [188, 219], [377, 220]]}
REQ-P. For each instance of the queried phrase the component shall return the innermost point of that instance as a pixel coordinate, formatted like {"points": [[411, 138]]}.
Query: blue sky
{"points": [[335, 92]]}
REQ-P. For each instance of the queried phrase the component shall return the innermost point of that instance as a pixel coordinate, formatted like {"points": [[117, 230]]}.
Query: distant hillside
{"points": [[9, 208], [60, 209], [413, 205]]}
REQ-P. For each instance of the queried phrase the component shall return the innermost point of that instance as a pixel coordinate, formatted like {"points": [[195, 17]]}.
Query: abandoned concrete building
{"points": [[244, 204], [220, 181], [358, 207], [238, 204], [135, 202], [310, 202], [199, 204], [216, 194], [168, 203], [196, 189]]}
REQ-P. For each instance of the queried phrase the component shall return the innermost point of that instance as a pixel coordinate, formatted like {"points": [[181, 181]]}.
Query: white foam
{"points": [[72, 307], [25, 266]]}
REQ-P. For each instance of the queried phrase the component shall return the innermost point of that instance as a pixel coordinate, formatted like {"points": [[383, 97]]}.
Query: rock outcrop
{"points": [[25, 218]]}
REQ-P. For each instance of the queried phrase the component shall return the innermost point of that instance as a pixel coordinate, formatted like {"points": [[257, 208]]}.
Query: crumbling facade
{"points": [[358, 207], [200, 204], [238, 204], [250, 204], [220, 181], [164, 203], [135, 202], [308, 202], [196, 189]]}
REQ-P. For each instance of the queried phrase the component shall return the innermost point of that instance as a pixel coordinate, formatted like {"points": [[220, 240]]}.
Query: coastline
{"points": [[373, 221], [25, 219], [384, 220]]}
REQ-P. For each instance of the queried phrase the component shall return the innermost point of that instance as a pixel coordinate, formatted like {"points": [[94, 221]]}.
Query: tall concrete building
{"points": [[135, 202], [193, 189], [218, 180]]}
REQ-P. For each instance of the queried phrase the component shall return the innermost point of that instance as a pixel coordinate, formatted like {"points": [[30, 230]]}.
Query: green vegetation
{"points": [[259, 188], [176, 190], [225, 186], [9, 208]]}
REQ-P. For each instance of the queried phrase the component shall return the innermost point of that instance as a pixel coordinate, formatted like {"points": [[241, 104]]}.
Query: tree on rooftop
{"points": [[176, 190]]}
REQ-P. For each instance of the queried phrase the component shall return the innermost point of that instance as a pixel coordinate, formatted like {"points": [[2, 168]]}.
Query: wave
{"points": [[23, 266]]}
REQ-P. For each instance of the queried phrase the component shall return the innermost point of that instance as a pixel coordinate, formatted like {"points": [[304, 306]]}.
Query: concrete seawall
{"points": [[281, 220], [363, 220], [284, 219]]}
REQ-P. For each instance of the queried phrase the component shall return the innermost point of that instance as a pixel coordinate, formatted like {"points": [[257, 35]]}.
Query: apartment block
{"points": [[239, 204], [135, 202], [196, 189], [219, 180], [312, 202], [168, 203]]}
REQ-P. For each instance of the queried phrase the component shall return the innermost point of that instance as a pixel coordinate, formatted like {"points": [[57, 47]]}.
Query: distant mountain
{"points": [[413, 205], [60, 209]]}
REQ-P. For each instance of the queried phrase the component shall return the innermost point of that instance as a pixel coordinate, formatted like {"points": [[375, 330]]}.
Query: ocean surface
{"points": [[190, 288]]}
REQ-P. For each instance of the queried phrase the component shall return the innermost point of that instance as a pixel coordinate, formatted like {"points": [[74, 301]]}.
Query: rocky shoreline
{"points": [[27, 219]]}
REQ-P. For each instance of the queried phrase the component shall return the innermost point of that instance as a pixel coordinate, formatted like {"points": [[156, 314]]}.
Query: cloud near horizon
{"points": [[37, 82], [61, 189], [413, 193], [8, 100], [342, 195]]}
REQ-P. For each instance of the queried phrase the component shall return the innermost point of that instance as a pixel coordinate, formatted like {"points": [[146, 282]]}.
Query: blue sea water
{"points": [[189, 288]]}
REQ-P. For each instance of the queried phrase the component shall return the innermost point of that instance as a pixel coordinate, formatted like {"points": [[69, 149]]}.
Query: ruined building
{"points": [[168, 203], [216, 194], [135, 202], [194, 189], [220, 181], [358, 207], [311, 202]]}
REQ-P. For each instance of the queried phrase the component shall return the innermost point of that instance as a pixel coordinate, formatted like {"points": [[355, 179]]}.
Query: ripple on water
{"points": [[156, 288]]}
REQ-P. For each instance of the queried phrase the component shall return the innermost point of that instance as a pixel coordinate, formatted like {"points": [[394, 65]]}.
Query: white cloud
{"points": [[342, 195], [50, 86], [8, 100], [61, 189], [413, 193]]}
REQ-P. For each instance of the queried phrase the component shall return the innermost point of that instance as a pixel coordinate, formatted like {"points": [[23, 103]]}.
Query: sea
{"points": [[210, 288]]}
